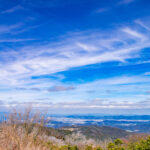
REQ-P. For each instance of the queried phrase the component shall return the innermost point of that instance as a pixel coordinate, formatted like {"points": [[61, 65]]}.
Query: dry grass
{"points": [[22, 131]]}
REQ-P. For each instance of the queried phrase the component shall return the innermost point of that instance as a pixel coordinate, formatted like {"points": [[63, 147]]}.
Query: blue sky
{"points": [[76, 56]]}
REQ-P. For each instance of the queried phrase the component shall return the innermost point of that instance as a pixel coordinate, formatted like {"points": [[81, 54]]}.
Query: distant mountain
{"points": [[98, 132]]}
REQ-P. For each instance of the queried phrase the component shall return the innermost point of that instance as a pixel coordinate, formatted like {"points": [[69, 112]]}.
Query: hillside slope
{"points": [[97, 132]]}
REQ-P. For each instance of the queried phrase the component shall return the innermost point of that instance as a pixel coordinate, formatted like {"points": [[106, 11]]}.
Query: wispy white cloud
{"points": [[15, 40], [101, 10], [142, 24], [124, 80], [65, 55], [60, 88], [130, 86], [8, 28], [134, 33], [98, 104], [80, 49], [13, 9], [147, 73], [122, 2], [87, 47], [15, 29]]}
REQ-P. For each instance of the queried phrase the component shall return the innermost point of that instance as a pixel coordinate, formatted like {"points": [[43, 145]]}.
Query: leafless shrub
{"points": [[22, 130]]}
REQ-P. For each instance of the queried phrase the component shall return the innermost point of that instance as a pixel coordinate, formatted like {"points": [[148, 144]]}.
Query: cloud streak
{"points": [[124, 2], [60, 88], [75, 51], [94, 104], [13, 9]]}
